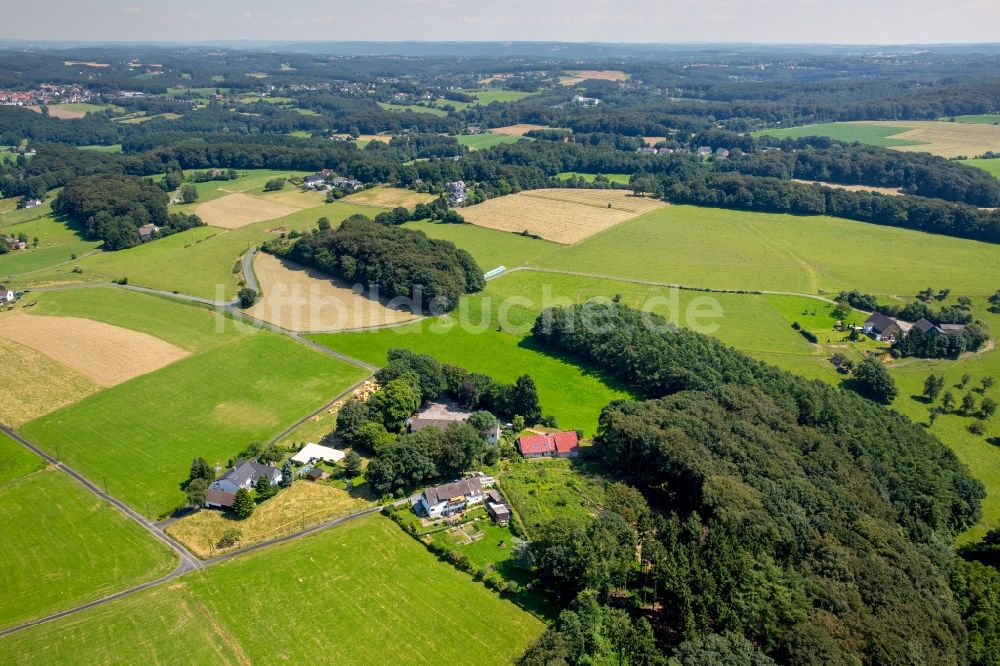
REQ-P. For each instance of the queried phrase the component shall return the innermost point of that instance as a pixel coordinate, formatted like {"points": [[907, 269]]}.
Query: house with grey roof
{"points": [[450, 498], [245, 474]]}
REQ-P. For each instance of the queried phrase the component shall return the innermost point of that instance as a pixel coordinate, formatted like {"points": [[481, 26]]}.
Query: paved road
{"points": [[188, 561], [248, 274]]}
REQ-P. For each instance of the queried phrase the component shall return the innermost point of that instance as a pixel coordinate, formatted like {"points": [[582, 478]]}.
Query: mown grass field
{"points": [[113, 148], [62, 546], [385, 196], [620, 178], [483, 141], [991, 165], [490, 248], [140, 437], [199, 261], [982, 119], [361, 593], [724, 249], [874, 135], [57, 241], [415, 108]]}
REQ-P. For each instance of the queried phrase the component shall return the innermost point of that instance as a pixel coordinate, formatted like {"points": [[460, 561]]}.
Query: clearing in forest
{"points": [[518, 130], [303, 299], [104, 354], [890, 191], [562, 215], [238, 210]]}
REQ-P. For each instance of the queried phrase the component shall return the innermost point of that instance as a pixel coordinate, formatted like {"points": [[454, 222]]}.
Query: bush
{"points": [[230, 537]]}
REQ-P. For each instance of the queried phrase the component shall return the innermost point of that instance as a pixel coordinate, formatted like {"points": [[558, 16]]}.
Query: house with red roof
{"points": [[550, 445]]}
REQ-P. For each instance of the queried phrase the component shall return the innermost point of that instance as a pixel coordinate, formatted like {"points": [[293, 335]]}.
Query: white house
{"points": [[312, 452], [453, 497]]}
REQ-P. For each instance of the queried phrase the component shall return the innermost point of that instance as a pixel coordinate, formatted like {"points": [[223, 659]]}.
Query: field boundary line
{"points": [[653, 283]]}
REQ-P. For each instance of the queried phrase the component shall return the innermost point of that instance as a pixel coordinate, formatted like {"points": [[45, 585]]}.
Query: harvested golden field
{"points": [[944, 138], [294, 197], [562, 215], [302, 505], [518, 130], [653, 140], [238, 210], [389, 197], [891, 191], [56, 111], [302, 299], [32, 384], [104, 354], [578, 76]]}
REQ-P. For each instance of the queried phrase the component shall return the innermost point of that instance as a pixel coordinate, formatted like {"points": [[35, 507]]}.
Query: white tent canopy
{"points": [[312, 452]]}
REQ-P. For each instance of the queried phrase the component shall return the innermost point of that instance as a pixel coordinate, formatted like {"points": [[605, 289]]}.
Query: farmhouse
{"points": [[314, 181], [444, 500], [147, 231], [6, 294], [222, 491], [553, 445], [312, 452], [347, 184], [586, 101], [456, 192], [881, 327]]}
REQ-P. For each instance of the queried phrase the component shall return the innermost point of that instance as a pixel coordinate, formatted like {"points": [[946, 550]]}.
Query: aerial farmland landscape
{"points": [[659, 334]]}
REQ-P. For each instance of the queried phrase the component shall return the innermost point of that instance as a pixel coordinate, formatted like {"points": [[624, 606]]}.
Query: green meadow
{"points": [[873, 135], [991, 165], [415, 108], [199, 261], [620, 178], [211, 404], [979, 119], [490, 248], [726, 249], [113, 148], [57, 241], [62, 546], [360, 593], [251, 182], [483, 141]]}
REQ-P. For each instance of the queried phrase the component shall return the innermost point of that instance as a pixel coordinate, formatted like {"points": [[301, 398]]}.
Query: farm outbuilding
{"points": [[311, 452]]}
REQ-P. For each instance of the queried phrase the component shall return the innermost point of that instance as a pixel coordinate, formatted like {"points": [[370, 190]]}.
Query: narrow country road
{"points": [[248, 274], [188, 561]]}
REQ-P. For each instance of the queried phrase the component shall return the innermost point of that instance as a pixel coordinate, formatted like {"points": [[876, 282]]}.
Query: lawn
{"points": [[199, 261], [16, 461], [62, 545], [483, 141], [211, 404], [490, 248], [620, 178], [873, 135], [359, 593], [724, 249], [491, 95]]}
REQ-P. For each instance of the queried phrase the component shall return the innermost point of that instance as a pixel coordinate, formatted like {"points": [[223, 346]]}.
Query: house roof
{"points": [[535, 444], [316, 473], [560, 442], [248, 469], [494, 496], [880, 322], [220, 497], [951, 327], [924, 325], [566, 441], [499, 509], [313, 451], [445, 492]]}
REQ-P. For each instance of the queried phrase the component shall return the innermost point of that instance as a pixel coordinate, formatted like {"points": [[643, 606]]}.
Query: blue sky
{"points": [[784, 21]]}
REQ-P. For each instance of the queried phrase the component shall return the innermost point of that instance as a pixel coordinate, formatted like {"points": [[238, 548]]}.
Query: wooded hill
{"points": [[804, 518]]}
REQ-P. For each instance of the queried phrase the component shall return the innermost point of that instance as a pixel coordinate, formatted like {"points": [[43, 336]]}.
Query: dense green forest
{"points": [[113, 208], [803, 518], [423, 274]]}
